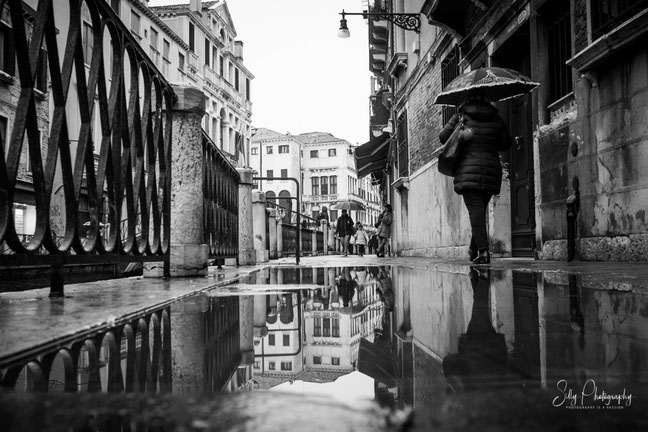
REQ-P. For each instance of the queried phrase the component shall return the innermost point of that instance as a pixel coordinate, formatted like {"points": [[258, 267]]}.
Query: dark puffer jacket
{"points": [[479, 167]]}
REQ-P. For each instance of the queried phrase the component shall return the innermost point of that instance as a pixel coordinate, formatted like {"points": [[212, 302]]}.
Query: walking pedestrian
{"points": [[361, 239], [478, 174], [323, 215], [384, 229], [344, 229]]}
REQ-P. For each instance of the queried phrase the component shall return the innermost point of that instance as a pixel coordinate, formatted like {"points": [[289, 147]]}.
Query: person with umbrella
{"points": [[344, 229], [478, 172]]}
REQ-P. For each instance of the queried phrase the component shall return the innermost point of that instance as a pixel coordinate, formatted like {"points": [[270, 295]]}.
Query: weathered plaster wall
{"points": [[432, 219], [606, 150], [435, 222]]}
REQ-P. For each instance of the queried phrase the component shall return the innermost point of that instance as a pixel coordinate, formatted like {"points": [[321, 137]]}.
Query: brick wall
{"points": [[9, 96], [424, 118]]}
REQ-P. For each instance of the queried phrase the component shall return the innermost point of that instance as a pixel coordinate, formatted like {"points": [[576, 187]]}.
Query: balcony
{"points": [[319, 198], [192, 63]]}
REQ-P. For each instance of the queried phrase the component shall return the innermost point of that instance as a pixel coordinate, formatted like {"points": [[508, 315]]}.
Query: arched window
{"points": [[287, 204]]}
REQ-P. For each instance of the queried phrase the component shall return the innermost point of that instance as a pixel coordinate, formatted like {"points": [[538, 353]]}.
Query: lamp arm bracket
{"points": [[406, 21]]}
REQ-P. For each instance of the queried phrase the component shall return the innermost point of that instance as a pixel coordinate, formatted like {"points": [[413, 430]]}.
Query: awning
{"points": [[451, 14], [372, 155]]}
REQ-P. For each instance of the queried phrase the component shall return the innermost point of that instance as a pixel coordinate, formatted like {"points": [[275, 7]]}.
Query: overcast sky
{"points": [[306, 78]]}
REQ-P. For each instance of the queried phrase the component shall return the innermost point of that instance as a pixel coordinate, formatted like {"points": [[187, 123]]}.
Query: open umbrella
{"points": [[496, 83], [347, 205]]}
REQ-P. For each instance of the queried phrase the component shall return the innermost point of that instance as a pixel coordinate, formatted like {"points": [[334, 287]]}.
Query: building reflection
{"points": [[420, 334], [457, 332], [313, 335]]}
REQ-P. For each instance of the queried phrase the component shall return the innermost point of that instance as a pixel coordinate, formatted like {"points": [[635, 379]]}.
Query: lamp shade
{"points": [[343, 32]]}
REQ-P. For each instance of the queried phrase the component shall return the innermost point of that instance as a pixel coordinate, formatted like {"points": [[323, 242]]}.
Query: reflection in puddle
{"points": [[404, 337]]}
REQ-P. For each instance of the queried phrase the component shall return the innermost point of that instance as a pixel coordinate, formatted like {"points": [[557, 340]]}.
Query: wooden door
{"points": [[521, 174]]}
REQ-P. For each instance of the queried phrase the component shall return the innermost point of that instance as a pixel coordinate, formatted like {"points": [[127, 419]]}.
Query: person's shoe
{"points": [[482, 258], [345, 255], [472, 254]]}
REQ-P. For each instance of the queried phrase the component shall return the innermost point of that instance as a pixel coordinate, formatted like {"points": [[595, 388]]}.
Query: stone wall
{"points": [[605, 151]]}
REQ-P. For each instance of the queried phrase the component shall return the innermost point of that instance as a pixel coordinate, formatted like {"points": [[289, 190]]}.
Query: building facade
{"points": [[214, 63], [325, 168], [579, 137]]}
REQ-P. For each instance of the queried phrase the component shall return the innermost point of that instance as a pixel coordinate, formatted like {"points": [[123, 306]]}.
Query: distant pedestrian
{"points": [[361, 239], [323, 215], [384, 229], [344, 229]]}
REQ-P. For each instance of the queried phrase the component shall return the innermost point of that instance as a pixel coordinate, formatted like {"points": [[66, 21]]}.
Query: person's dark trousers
{"points": [[477, 204], [361, 249]]}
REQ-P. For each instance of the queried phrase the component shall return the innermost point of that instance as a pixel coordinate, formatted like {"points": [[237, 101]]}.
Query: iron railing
{"points": [[449, 71], [120, 86], [220, 202], [289, 231], [608, 14], [221, 342], [559, 40]]}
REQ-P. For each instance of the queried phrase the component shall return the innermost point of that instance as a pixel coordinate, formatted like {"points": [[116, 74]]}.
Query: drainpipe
{"points": [[573, 204]]}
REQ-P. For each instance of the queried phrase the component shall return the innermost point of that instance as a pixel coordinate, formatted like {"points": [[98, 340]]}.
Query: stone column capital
{"points": [[246, 175], [258, 196], [190, 99]]}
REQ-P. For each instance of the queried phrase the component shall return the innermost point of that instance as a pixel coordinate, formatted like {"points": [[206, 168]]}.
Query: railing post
{"points": [[314, 246], [279, 238], [188, 342], [331, 239], [188, 252], [261, 306], [258, 222], [247, 255], [272, 232], [246, 329], [325, 231]]}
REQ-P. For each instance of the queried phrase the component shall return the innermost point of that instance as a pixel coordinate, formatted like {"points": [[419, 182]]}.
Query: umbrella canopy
{"points": [[347, 205], [496, 83]]}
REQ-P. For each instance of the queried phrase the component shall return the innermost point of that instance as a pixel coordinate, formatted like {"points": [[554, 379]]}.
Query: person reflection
{"points": [[482, 356], [346, 286], [384, 287]]}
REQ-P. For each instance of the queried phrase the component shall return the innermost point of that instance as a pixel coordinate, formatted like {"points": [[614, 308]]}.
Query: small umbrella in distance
{"points": [[347, 205]]}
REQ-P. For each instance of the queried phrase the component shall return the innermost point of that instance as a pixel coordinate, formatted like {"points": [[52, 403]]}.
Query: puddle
{"points": [[373, 343]]}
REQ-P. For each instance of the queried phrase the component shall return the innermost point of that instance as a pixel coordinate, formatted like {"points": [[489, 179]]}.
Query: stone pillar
{"points": [[188, 345], [272, 232], [259, 226], [246, 329], [331, 239], [314, 237], [325, 235], [188, 250], [279, 238], [245, 220]]}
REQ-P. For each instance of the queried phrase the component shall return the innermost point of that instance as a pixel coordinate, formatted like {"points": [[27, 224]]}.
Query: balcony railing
{"points": [[319, 198]]}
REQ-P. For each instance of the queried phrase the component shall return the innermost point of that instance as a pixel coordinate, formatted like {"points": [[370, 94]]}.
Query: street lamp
{"points": [[407, 21]]}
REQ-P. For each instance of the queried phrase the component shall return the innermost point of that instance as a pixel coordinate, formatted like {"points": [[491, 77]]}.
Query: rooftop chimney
{"points": [[195, 6], [238, 49]]}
